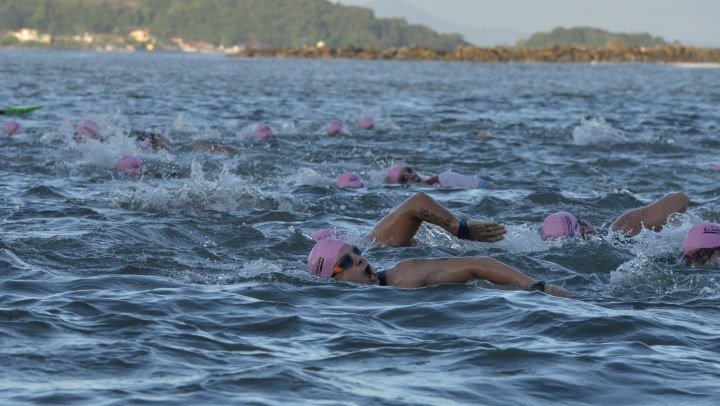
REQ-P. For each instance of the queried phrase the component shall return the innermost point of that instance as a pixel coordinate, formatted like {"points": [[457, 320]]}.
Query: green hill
{"points": [[273, 23], [588, 37]]}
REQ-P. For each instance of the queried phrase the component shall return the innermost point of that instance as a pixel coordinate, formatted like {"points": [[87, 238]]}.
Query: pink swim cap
{"points": [[335, 127], [393, 174], [367, 122], [88, 128], [703, 235], [326, 233], [349, 180], [12, 128], [560, 225], [321, 260], [263, 132], [131, 165]]}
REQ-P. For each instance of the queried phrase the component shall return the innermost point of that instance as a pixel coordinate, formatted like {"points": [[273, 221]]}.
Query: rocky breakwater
{"points": [[609, 53]]}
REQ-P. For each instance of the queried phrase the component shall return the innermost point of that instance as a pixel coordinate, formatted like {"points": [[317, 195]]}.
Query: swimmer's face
{"points": [[160, 143], [587, 230], [704, 258], [408, 176], [351, 266]]}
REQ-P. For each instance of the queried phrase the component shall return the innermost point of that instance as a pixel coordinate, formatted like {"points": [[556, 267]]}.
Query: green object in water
{"points": [[18, 109]]}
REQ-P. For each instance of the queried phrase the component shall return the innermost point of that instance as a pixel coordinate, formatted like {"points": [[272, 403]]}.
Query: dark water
{"points": [[117, 289]]}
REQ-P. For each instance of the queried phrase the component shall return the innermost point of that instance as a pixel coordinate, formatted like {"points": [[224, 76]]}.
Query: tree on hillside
{"points": [[588, 37]]}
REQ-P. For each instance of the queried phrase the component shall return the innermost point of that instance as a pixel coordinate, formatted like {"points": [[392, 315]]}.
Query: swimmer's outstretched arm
{"points": [[398, 228], [415, 273], [652, 216], [204, 146]]}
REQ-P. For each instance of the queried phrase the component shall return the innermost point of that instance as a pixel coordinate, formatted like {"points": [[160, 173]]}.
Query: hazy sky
{"points": [[695, 22]]}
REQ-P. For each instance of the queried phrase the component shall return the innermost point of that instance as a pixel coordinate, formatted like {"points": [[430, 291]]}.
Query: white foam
{"points": [[642, 268], [524, 238], [308, 176], [696, 65], [225, 192], [596, 131], [247, 269]]}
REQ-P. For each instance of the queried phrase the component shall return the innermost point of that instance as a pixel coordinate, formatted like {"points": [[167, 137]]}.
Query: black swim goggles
{"points": [[700, 256], [346, 262], [406, 171]]}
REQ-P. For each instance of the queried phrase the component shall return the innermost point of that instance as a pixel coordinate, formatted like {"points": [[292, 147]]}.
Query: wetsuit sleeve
{"points": [[452, 179], [433, 180]]}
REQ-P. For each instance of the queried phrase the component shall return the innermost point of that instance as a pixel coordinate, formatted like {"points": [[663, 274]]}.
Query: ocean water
{"points": [[192, 288]]}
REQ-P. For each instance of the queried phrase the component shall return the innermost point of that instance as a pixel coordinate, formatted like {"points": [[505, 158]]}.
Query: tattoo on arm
{"points": [[434, 218]]}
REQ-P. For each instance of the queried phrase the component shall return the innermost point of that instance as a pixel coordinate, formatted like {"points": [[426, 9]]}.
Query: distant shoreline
{"points": [[677, 55]]}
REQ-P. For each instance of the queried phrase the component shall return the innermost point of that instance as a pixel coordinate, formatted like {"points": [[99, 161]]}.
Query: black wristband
{"points": [[463, 230], [539, 285]]}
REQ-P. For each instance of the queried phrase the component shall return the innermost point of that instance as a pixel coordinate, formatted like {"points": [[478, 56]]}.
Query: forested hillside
{"points": [[588, 37], [272, 23]]}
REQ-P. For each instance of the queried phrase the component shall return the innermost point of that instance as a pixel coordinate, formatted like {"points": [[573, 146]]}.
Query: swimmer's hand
{"points": [[557, 291], [485, 231]]}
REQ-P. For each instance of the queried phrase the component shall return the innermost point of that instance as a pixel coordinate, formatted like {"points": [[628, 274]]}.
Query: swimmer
{"points": [[150, 140], [335, 127], [404, 175], [349, 180], [565, 225], [12, 127], [130, 165], [262, 132], [335, 258], [90, 129], [87, 129], [366, 123], [701, 247]]}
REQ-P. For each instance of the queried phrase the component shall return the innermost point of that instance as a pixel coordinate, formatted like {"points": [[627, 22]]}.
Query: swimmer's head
{"points": [[402, 174], [367, 123], [150, 139], [326, 233], [701, 245], [12, 128], [560, 225], [263, 132], [321, 261], [335, 127], [88, 128], [335, 258], [563, 225], [349, 180], [130, 165]]}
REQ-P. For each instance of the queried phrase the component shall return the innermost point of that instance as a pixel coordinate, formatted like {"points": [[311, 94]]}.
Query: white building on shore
{"points": [[31, 35]]}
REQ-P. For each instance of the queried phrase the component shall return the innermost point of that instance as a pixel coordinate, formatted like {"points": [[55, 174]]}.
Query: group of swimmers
{"points": [[333, 257], [132, 165], [90, 130]]}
